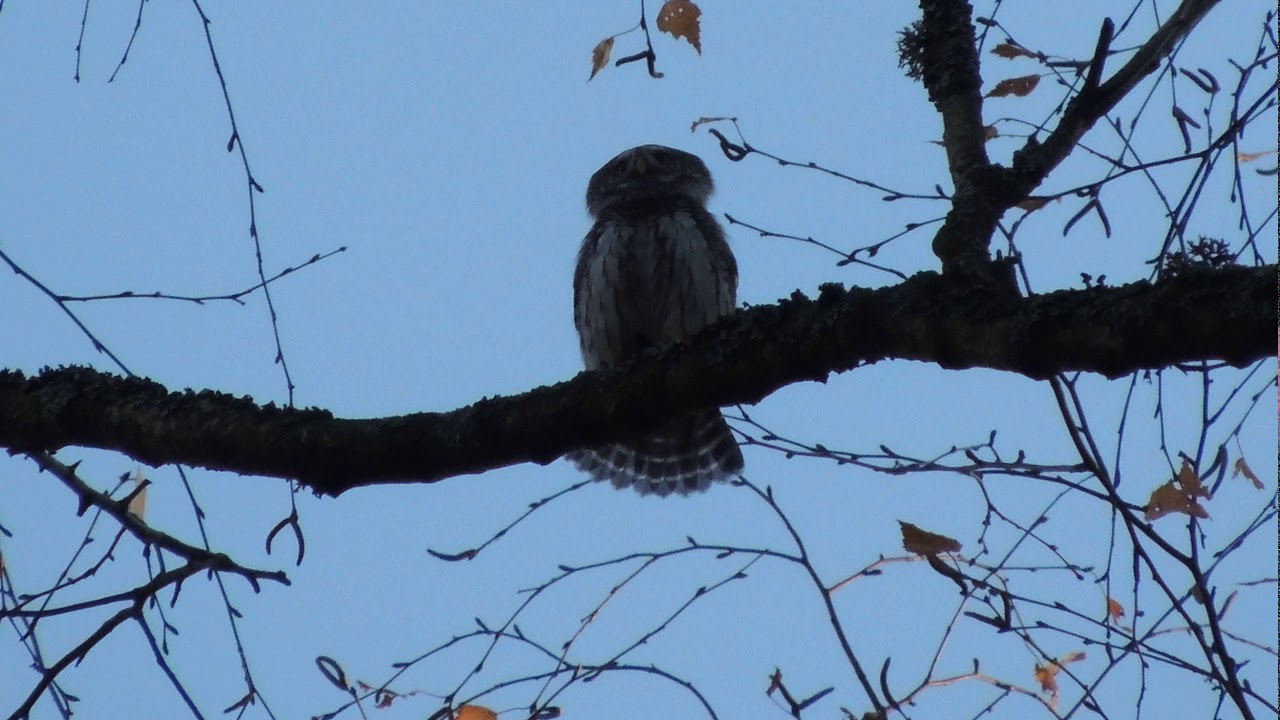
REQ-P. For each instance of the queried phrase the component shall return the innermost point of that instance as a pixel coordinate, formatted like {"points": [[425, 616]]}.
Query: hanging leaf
{"points": [[1115, 610], [600, 56], [679, 19], [1242, 468], [922, 542], [138, 503], [1047, 674], [1010, 49], [1250, 157], [1190, 481], [1020, 86], [704, 120], [1179, 495]]}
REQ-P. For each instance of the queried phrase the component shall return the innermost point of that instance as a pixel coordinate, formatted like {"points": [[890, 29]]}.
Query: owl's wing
{"points": [[702, 276], [610, 316]]}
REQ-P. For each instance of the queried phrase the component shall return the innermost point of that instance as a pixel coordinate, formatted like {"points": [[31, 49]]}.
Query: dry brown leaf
{"points": [[1242, 468], [679, 19], [1020, 86], [138, 503], [923, 542], [1047, 675], [1010, 49], [1071, 657], [475, 712], [1115, 610], [1190, 481], [1169, 498], [1250, 157], [600, 56], [704, 120]]}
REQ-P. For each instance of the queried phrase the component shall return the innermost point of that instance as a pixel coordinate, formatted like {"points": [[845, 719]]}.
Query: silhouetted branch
{"points": [[1220, 314]]}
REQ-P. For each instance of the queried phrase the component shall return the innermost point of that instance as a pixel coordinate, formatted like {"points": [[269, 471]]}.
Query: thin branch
{"points": [[141, 596], [1036, 160], [252, 185], [237, 297]]}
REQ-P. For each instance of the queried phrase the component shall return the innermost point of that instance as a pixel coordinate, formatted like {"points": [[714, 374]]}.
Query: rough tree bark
{"points": [[1223, 314]]}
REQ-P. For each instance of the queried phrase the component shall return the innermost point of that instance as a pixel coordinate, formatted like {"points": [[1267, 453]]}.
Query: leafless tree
{"points": [[1202, 317]]}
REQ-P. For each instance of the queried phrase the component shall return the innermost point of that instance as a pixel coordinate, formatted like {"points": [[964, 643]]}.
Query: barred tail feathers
{"points": [[683, 457]]}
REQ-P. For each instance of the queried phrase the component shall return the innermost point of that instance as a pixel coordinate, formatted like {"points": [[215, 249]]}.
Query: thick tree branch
{"points": [[942, 51], [944, 54], [1221, 314], [950, 73]]}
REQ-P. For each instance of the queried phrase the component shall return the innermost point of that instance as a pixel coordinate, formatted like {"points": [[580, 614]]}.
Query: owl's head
{"points": [[648, 174]]}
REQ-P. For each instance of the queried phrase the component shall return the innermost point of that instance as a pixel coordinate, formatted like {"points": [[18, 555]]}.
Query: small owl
{"points": [[654, 268]]}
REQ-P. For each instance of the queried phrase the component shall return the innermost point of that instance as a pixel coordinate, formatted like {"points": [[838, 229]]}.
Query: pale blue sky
{"points": [[448, 145]]}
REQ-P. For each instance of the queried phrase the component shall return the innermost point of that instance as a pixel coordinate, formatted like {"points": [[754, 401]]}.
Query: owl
{"points": [[654, 268]]}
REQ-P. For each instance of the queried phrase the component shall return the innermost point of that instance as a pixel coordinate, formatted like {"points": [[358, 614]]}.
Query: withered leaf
{"points": [[1010, 49], [922, 542], [138, 503], [1250, 157], [1115, 610], [1190, 481], [1020, 86], [679, 19], [1047, 674], [600, 56], [1169, 498], [1242, 468], [704, 120]]}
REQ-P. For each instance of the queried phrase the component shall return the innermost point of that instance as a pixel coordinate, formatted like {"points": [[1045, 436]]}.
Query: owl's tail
{"points": [[685, 456]]}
